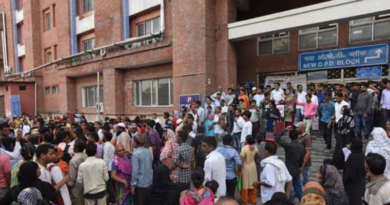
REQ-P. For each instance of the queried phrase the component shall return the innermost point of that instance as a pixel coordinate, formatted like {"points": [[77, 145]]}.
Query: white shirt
{"points": [[225, 109], [314, 99], [217, 102], [45, 174], [101, 135], [25, 129], [277, 95], [301, 98], [258, 98], [201, 114], [238, 124], [93, 175], [246, 130], [157, 121], [108, 154], [215, 169], [269, 176], [57, 176], [62, 146], [217, 127], [338, 107], [12, 155], [229, 98]]}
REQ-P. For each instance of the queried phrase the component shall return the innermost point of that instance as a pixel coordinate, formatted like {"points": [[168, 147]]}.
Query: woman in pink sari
{"points": [[168, 152], [121, 174]]}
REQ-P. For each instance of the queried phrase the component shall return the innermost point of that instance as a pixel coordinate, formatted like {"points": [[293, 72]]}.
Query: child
{"points": [[213, 186]]}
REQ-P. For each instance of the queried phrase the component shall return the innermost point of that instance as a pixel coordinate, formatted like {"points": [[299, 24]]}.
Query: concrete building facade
{"points": [[133, 57]]}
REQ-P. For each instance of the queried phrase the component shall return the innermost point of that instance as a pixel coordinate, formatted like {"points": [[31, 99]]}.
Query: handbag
{"points": [[239, 184], [278, 127]]}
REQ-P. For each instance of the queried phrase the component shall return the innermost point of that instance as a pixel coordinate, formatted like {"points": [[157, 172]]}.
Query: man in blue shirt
{"points": [[232, 161], [326, 111], [142, 170]]}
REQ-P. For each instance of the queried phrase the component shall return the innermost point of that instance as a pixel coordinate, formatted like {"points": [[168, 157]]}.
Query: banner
{"points": [[298, 80], [271, 80], [321, 75], [186, 100]]}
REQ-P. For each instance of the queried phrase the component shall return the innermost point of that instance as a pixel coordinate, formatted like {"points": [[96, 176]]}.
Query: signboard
{"points": [[374, 72], [15, 106], [298, 80], [271, 80], [343, 58], [186, 100], [321, 75]]}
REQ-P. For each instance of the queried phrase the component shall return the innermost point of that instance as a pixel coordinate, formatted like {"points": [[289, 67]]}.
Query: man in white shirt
{"points": [[93, 175], [246, 128], [216, 97], [258, 97], [229, 97], [274, 176], [218, 118], [214, 166], [98, 128], [340, 103], [225, 108], [14, 155], [301, 98], [57, 176], [108, 157], [26, 128], [237, 128], [209, 102], [200, 111], [123, 137], [277, 94], [155, 118]]}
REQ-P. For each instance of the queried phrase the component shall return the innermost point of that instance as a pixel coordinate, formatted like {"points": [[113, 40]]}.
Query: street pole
{"points": [[98, 96]]}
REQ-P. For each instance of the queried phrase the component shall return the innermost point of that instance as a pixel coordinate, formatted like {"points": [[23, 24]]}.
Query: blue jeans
{"points": [[236, 140], [305, 175], [359, 119], [297, 185]]}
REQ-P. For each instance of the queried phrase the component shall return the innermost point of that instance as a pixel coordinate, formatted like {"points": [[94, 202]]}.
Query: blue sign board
{"points": [[186, 100], [343, 58], [322, 75], [15, 106], [374, 72]]}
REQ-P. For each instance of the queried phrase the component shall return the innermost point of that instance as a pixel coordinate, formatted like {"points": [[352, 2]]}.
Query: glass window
{"points": [[382, 30], [369, 29], [89, 96], [148, 27], [273, 44], [89, 44], [318, 37], [361, 33], [87, 5], [55, 89], [47, 21], [48, 57], [157, 92], [47, 91]]}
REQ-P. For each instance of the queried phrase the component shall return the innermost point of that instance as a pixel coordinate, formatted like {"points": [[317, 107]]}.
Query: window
{"points": [[47, 91], [89, 44], [20, 34], [89, 96], [369, 29], [54, 15], [55, 52], [273, 44], [47, 20], [87, 5], [48, 56], [318, 37], [55, 89], [22, 88], [148, 27], [157, 92]]}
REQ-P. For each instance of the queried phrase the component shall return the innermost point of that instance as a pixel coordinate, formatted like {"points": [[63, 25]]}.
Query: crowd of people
{"points": [[221, 151]]}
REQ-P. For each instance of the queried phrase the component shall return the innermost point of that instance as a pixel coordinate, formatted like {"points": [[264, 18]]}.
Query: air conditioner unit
{"points": [[99, 107]]}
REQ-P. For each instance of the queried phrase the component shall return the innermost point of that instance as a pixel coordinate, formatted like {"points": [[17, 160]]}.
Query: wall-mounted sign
{"points": [[186, 100], [345, 57], [374, 72]]}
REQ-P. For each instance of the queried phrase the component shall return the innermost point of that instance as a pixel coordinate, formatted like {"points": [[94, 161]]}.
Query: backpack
{"points": [[66, 156], [206, 198]]}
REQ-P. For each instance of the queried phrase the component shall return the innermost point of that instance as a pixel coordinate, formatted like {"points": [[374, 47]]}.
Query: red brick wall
{"points": [[249, 64], [108, 22], [27, 100]]}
